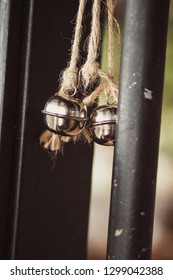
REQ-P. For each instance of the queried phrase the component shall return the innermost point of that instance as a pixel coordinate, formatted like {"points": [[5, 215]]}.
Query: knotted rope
{"points": [[107, 84]]}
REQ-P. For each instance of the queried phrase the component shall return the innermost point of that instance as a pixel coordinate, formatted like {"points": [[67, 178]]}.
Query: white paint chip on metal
{"points": [[148, 94], [118, 232]]}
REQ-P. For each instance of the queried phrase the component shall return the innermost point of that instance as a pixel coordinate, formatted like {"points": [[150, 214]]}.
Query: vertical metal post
{"points": [[138, 129], [4, 34], [21, 118]]}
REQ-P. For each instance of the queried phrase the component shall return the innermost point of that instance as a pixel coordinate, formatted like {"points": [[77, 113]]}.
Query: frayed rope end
{"points": [[51, 141]]}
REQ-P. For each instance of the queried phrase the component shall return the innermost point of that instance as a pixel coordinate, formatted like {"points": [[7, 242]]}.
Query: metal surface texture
{"points": [[102, 124], [5, 144], [138, 129], [64, 117], [20, 125]]}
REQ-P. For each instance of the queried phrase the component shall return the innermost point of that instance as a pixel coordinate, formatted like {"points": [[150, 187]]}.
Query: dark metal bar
{"points": [[20, 124], [138, 129], [4, 38]]}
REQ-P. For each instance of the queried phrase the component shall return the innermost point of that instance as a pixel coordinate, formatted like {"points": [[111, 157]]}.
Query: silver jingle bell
{"points": [[102, 124], [64, 117]]}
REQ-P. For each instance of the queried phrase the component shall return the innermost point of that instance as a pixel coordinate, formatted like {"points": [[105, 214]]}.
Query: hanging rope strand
{"points": [[77, 35], [70, 74], [111, 89], [89, 71], [110, 6], [95, 33]]}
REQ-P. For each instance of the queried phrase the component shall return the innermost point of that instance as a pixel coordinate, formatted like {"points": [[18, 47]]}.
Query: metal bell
{"points": [[64, 117], [102, 124]]}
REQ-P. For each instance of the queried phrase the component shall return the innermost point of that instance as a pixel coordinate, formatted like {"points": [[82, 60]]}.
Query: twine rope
{"points": [[69, 78], [77, 35], [95, 33], [107, 85], [111, 90], [110, 7], [90, 68]]}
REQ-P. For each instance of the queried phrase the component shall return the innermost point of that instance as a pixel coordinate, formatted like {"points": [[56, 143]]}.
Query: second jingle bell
{"points": [[102, 124]]}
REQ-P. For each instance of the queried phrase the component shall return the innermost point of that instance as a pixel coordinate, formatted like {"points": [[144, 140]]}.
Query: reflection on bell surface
{"points": [[64, 117], [102, 124]]}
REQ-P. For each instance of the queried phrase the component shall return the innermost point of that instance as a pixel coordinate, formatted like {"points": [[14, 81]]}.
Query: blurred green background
{"points": [[166, 141]]}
